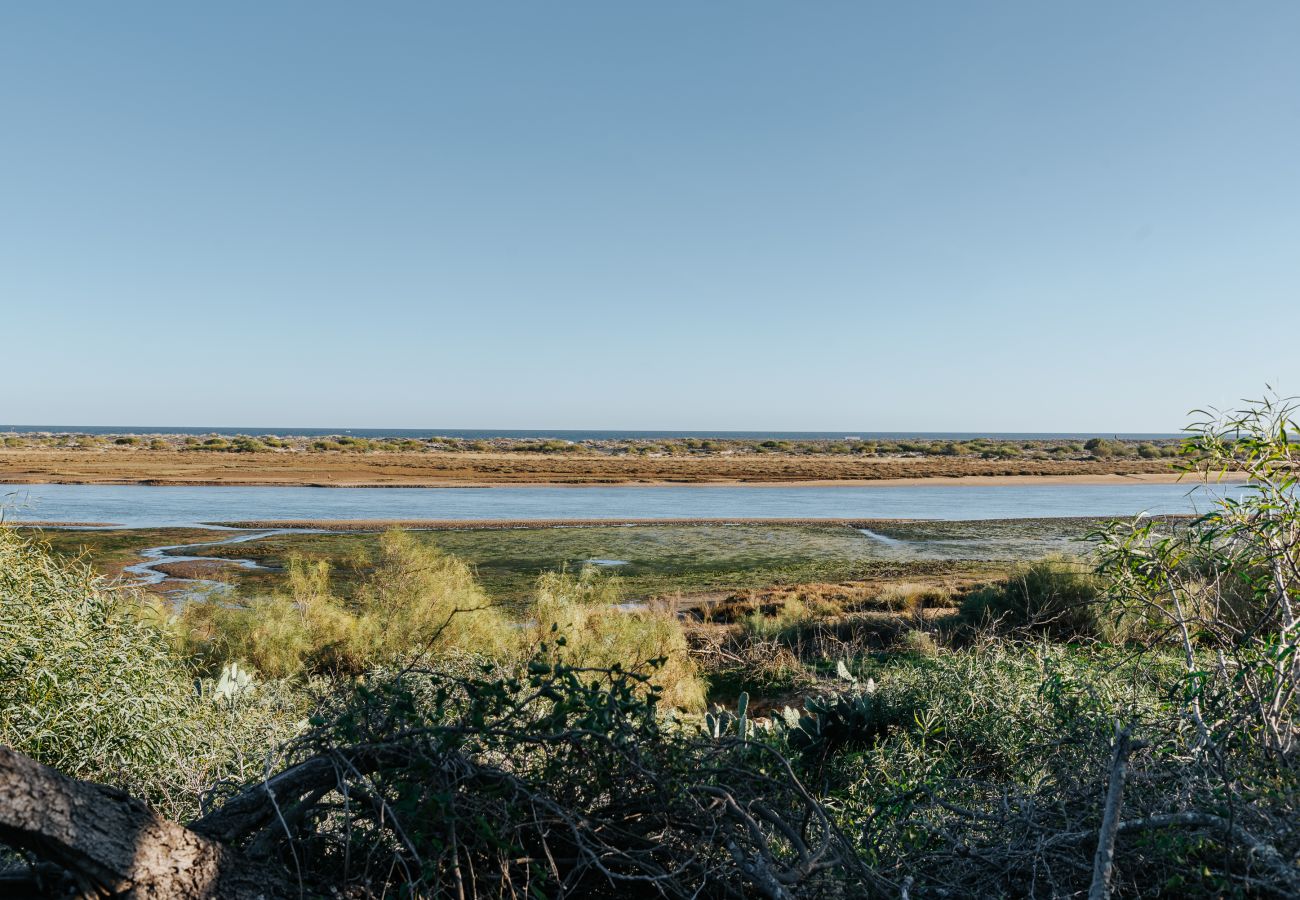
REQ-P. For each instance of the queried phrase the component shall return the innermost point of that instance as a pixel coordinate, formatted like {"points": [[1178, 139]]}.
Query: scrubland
{"points": [[1121, 719], [348, 461]]}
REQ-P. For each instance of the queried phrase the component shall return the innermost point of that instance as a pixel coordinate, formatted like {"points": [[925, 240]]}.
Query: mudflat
{"points": [[474, 469]]}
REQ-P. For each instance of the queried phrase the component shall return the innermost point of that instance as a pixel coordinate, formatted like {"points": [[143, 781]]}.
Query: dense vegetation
{"points": [[1130, 727]]}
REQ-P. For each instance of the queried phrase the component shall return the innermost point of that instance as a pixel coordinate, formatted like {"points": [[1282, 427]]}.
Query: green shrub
{"points": [[1057, 597], [1099, 447], [416, 599], [418, 596], [918, 643], [567, 780], [584, 609], [245, 444], [88, 684], [355, 444], [794, 612]]}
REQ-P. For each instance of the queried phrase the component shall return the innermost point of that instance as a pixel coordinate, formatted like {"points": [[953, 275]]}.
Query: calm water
{"points": [[137, 505]]}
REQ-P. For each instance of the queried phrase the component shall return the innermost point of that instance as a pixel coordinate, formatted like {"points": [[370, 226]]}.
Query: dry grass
{"points": [[829, 601]]}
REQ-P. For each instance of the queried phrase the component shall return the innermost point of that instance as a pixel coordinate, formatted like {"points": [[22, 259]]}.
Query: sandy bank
{"points": [[172, 467]]}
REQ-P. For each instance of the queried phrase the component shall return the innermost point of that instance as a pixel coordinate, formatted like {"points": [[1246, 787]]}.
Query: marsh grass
{"points": [[908, 597], [662, 559]]}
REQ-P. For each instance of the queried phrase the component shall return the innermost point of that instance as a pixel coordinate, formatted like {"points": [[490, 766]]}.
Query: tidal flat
{"points": [[693, 562]]}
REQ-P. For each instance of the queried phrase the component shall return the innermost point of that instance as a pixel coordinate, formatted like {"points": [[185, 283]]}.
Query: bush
{"points": [[918, 643], [1099, 447], [1057, 597], [88, 684], [584, 610], [355, 444], [1228, 580], [415, 600], [566, 780], [245, 444], [794, 612]]}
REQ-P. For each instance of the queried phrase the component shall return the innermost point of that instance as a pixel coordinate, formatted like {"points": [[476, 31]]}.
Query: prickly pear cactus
{"points": [[842, 670], [718, 723], [233, 683]]}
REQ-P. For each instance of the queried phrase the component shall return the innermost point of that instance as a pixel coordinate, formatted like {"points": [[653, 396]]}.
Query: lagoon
{"points": [[154, 506]]}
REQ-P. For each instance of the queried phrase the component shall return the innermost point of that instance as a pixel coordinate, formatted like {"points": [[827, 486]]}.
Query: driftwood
{"points": [[107, 843]]}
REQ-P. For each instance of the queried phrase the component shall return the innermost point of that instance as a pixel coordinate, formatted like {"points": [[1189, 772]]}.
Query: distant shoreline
{"points": [[499, 469], [583, 434], [915, 481]]}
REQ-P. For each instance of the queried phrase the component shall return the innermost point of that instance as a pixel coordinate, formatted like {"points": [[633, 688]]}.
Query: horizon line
{"points": [[335, 429]]}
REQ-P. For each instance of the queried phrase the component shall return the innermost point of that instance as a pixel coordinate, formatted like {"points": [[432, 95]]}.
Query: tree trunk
{"points": [[109, 843]]}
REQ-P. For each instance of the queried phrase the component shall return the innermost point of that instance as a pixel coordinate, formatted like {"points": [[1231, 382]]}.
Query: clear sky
{"points": [[861, 216]]}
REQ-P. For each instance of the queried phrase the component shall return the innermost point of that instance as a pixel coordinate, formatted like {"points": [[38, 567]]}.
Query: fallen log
{"points": [[110, 844]]}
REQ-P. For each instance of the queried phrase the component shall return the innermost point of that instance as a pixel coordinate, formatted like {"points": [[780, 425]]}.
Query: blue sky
{"points": [[863, 216]]}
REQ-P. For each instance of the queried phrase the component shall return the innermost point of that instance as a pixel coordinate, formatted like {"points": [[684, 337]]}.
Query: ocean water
{"points": [[576, 435]]}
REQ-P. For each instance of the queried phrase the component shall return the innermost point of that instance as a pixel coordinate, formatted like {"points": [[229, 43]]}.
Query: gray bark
{"points": [[109, 843], [1104, 861]]}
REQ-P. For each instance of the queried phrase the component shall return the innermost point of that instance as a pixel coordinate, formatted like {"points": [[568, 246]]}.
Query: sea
{"points": [[562, 434]]}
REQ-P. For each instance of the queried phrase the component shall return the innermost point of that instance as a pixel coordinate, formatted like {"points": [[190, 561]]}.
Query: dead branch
{"points": [[1104, 862]]}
